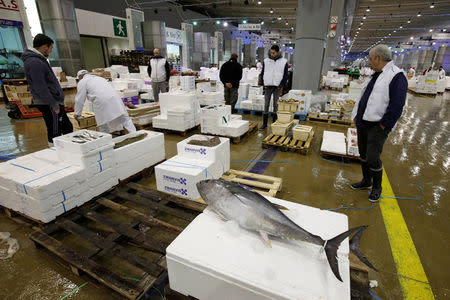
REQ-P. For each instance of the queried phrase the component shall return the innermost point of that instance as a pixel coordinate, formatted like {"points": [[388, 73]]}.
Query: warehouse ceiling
{"points": [[373, 21]]}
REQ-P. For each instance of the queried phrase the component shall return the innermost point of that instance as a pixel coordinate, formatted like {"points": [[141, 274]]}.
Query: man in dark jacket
{"points": [[230, 75], [47, 94]]}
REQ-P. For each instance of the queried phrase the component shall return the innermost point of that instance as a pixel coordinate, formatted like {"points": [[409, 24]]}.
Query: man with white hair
{"points": [[376, 113], [159, 72], [110, 112]]}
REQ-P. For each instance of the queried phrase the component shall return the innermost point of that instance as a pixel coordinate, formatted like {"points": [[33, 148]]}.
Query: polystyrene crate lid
{"points": [[288, 270]]}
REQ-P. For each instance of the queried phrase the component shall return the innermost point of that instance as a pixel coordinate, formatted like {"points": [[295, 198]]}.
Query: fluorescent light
{"points": [[244, 21], [194, 23], [364, 17], [419, 15], [368, 9], [359, 28], [411, 38], [271, 10], [217, 22], [395, 30], [401, 26], [262, 22], [431, 30], [279, 18], [287, 23], [259, 2], [225, 24], [432, 5], [444, 30], [434, 43], [409, 21]]}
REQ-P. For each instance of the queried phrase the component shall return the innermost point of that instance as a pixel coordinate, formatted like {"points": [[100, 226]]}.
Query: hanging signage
{"points": [[10, 10], [249, 27], [174, 36], [9, 5], [120, 27], [406, 46], [270, 36], [440, 36], [421, 43], [4, 22]]}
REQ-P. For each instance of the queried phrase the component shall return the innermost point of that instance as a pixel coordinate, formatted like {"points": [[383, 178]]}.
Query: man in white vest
{"points": [[377, 111], [274, 76], [159, 72]]}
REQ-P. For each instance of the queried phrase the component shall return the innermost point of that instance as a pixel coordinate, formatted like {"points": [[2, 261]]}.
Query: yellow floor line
{"points": [[412, 277]]}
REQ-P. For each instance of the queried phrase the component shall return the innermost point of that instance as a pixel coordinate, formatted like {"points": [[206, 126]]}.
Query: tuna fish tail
{"points": [[331, 247], [354, 247]]}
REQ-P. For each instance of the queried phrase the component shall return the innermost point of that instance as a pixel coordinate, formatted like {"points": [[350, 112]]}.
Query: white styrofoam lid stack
{"points": [[233, 259], [334, 142]]}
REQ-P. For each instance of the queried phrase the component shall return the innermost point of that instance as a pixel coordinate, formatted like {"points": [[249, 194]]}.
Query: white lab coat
{"points": [[442, 74], [108, 105]]}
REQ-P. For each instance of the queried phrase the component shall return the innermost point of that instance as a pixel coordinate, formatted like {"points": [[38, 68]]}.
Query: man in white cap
{"points": [[110, 112]]}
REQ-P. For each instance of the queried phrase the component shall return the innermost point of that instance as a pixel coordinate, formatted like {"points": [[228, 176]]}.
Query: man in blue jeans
{"points": [[274, 76], [47, 93], [376, 113]]}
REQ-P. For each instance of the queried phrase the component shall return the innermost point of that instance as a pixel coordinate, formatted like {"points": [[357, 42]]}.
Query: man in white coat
{"points": [[159, 71], [441, 73], [110, 112], [273, 77], [378, 109]]}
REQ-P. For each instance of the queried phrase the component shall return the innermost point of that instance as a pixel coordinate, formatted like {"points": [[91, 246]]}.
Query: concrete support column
{"points": [[219, 48], [310, 43], [134, 29], [154, 36], [333, 51], [202, 50], [249, 54], [442, 52], [59, 22], [188, 45]]}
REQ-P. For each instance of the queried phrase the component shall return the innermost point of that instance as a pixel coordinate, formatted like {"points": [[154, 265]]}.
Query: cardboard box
{"points": [[285, 117], [279, 128]]}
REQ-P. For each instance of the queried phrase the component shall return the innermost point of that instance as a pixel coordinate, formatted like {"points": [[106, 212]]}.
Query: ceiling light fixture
{"points": [[217, 22], [279, 18], [262, 22], [225, 24], [434, 43], [364, 17], [444, 30], [409, 21], [395, 31], [244, 21], [259, 2], [194, 23], [411, 38], [368, 9], [271, 10], [432, 5], [401, 26], [431, 30], [287, 24], [418, 14]]}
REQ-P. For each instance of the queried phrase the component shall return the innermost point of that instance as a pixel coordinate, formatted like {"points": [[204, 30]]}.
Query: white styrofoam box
{"points": [[236, 128], [119, 84], [37, 178], [9, 198], [170, 100], [332, 74], [257, 99], [86, 159], [219, 153], [160, 121], [179, 175], [243, 91], [98, 167], [144, 119], [143, 69], [255, 90], [102, 177], [334, 142], [104, 186], [213, 259], [204, 87], [137, 164], [246, 104], [151, 145], [236, 117], [65, 142]]}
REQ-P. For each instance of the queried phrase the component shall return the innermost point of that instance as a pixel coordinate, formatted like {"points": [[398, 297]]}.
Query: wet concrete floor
{"points": [[417, 151]]}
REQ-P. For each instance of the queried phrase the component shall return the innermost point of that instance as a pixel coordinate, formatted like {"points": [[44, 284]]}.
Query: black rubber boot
{"points": [[274, 117], [366, 183], [264, 125], [376, 188]]}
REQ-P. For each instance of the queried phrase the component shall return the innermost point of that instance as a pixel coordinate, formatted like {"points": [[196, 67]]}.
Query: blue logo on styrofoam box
{"points": [[182, 192], [202, 151], [180, 180]]}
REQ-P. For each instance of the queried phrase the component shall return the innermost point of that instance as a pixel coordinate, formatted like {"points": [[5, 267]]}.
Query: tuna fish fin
{"points": [[280, 207], [265, 238], [331, 247], [354, 247]]}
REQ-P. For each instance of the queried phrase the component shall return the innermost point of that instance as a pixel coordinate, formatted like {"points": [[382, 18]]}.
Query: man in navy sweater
{"points": [[376, 113], [47, 93]]}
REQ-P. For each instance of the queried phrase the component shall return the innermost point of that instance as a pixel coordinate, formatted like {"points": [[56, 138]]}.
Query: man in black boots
{"points": [[231, 75], [376, 113], [274, 76]]}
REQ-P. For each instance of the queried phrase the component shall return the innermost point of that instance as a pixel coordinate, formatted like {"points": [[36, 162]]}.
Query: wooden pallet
{"points": [[263, 184], [287, 143], [103, 241], [345, 157], [181, 133], [342, 122], [21, 218]]}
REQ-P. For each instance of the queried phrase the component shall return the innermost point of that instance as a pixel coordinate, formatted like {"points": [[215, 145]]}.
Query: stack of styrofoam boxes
{"points": [[209, 73], [355, 90], [203, 87], [95, 156], [40, 186], [255, 95], [174, 83], [180, 174], [330, 78], [187, 83], [352, 142], [133, 158], [206, 96], [118, 71], [428, 84], [304, 99], [146, 86], [412, 83], [251, 76], [440, 86], [214, 117], [179, 111], [218, 120], [243, 91]]}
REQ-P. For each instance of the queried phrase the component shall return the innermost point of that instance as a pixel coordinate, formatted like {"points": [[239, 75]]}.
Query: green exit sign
{"points": [[120, 27]]}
